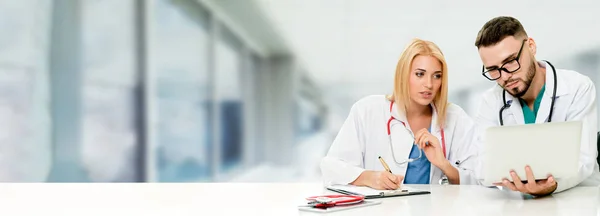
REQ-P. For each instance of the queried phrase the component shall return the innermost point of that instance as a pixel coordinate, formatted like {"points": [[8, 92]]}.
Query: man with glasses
{"points": [[524, 95]]}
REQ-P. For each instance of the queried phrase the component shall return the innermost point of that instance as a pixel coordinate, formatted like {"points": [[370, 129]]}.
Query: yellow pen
{"points": [[387, 168]]}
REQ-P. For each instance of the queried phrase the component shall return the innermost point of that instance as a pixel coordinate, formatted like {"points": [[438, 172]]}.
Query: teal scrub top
{"points": [[528, 114]]}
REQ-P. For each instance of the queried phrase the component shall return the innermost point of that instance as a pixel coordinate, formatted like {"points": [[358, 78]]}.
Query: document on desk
{"points": [[371, 193]]}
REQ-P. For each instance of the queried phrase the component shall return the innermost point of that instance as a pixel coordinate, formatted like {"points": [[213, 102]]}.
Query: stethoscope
{"points": [[389, 132], [508, 103], [444, 180]]}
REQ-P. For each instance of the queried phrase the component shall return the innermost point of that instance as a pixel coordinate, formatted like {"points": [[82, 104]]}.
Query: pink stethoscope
{"points": [[389, 132]]}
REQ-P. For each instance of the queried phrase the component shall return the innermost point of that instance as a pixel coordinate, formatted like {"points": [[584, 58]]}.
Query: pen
{"points": [[387, 168]]}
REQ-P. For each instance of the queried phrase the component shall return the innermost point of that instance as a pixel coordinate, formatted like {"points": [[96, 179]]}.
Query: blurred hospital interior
{"points": [[230, 90]]}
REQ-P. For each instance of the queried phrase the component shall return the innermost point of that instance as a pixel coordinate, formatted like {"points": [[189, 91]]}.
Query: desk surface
{"points": [[275, 199]]}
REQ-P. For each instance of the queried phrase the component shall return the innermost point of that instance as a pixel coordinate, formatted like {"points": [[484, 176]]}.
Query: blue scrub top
{"points": [[418, 171]]}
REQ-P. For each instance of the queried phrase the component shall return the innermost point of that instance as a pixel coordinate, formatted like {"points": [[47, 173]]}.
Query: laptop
{"points": [[547, 148]]}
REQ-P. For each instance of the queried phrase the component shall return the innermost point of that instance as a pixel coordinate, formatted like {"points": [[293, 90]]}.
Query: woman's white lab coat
{"points": [[363, 138], [575, 101]]}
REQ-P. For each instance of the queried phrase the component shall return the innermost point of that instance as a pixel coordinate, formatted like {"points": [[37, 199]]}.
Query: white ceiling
{"points": [[353, 45]]}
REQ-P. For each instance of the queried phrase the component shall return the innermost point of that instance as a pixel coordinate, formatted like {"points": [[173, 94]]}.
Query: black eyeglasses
{"points": [[508, 67]]}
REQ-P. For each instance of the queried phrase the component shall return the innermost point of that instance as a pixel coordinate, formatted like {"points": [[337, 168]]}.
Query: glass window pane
{"points": [[255, 124], [110, 135], [24, 94], [229, 99], [179, 54]]}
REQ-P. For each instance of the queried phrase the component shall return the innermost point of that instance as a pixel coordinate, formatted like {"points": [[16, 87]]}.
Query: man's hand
{"points": [[380, 180], [532, 187]]}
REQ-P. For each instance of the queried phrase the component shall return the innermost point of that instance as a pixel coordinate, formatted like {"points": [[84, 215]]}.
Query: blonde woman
{"points": [[421, 137]]}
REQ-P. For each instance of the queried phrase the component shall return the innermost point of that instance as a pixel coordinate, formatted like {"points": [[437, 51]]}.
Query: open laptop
{"points": [[548, 148]]}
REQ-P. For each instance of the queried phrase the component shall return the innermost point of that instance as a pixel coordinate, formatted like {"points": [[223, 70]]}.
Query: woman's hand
{"points": [[380, 180], [431, 146], [435, 154]]}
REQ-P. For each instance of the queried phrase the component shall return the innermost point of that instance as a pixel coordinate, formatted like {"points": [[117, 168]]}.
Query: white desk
{"points": [[274, 199]]}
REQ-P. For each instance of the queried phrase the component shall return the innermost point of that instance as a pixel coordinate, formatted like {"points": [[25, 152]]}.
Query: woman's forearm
{"points": [[451, 172]]}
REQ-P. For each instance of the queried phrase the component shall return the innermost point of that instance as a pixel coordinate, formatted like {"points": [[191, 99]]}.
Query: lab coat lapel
{"points": [[436, 131], [544, 110], [515, 110]]}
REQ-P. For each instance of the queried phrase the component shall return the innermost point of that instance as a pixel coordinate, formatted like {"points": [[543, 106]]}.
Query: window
{"points": [[24, 94], [254, 105], [229, 99], [110, 135], [308, 120], [179, 55]]}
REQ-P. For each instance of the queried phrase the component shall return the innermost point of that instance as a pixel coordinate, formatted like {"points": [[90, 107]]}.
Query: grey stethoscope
{"points": [[508, 103]]}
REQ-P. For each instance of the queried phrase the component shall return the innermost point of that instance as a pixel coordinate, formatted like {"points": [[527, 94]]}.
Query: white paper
{"points": [[367, 191]]}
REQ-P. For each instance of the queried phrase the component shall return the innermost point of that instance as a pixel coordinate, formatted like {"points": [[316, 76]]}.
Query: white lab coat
{"points": [[363, 138], [575, 100]]}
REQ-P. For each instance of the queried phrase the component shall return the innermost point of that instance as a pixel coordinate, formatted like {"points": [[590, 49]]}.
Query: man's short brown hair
{"points": [[499, 28]]}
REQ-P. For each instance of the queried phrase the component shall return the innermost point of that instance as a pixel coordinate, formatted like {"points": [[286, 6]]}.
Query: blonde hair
{"points": [[401, 85]]}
